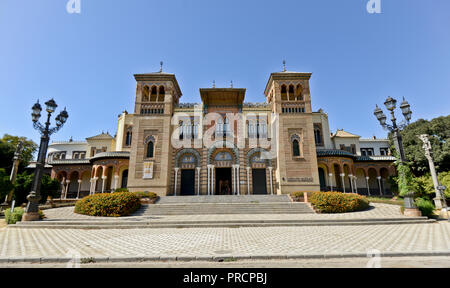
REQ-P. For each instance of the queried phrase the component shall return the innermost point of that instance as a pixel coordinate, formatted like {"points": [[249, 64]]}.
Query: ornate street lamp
{"points": [[395, 129], [45, 131]]}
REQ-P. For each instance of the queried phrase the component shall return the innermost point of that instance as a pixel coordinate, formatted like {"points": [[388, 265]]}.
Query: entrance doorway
{"points": [[124, 179], [223, 181], [187, 182], [323, 185], [259, 181]]}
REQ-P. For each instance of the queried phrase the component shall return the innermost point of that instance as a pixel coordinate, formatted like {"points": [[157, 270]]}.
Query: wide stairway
{"points": [[225, 204]]}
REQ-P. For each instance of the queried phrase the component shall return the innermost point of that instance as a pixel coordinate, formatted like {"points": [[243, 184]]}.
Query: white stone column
{"points": [[331, 181], [199, 169], [379, 185], [79, 188], [343, 182], [103, 183], [116, 182], [95, 184], [67, 188], [176, 181], [213, 181], [355, 184], [90, 186], [248, 180], [238, 180], [350, 179], [233, 179], [270, 180], [368, 187], [62, 190], [209, 176]]}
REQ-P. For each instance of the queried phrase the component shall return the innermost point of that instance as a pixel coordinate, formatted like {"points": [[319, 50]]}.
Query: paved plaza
{"points": [[214, 243], [229, 244]]}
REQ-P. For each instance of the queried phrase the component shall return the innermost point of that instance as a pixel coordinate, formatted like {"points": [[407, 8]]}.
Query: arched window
{"points": [[162, 93], [283, 92], [295, 148], [318, 136], [153, 95], [299, 93], [150, 149], [291, 93], [128, 139], [145, 94]]}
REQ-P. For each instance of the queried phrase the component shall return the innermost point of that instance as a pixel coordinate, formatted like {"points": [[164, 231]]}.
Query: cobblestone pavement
{"points": [[377, 211], [224, 242]]}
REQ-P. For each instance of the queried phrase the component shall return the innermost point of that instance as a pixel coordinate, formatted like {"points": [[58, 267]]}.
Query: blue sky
{"points": [[86, 61]]}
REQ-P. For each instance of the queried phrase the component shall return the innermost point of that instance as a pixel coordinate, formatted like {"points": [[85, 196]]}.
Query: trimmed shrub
{"points": [[297, 194], [121, 190], [146, 194], [336, 202], [108, 204], [425, 206], [15, 216]]}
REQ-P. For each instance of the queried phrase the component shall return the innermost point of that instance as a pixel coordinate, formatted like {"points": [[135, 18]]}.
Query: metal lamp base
{"points": [[412, 212], [32, 216]]}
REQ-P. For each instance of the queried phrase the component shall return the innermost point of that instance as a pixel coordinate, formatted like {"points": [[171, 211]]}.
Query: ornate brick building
{"points": [[223, 145]]}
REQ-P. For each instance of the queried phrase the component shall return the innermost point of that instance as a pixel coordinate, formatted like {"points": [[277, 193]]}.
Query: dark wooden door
{"points": [[187, 182], [259, 181]]}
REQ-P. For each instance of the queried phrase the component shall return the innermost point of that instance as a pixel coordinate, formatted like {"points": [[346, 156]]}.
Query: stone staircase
{"points": [[224, 199], [221, 204]]}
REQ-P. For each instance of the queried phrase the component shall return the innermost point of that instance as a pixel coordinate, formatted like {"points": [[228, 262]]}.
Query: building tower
{"points": [[289, 97], [151, 149]]}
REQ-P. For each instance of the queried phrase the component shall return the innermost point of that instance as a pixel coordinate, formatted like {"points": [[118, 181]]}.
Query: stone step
{"points": [[224, 199], [123, 224], [225, 208]]}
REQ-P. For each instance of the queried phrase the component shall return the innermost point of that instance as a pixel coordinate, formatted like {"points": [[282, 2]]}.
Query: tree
{"points": [[439, 131], [8, 146], [5, 185], [49, 187]]}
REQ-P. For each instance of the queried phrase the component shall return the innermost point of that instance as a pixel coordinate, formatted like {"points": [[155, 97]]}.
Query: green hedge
{"points": [[15, 216], [425, 206], [335, 202], [146, 194], [108, 204]]}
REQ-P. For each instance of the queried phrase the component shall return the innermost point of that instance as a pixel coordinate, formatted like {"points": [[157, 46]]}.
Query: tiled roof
{"points": [[32, 165], [345, 134], [103, 136], [117, 154], [333, 152], [68, 161], [375, 158]]}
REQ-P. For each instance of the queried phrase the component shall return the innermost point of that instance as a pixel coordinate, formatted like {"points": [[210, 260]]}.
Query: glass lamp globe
{"points": [[51, 106], [63, 116], [406, 108], [390, 103]]}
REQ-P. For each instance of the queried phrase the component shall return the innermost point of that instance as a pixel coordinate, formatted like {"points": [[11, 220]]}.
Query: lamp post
{"points": [[33, 198], [395, 129]]}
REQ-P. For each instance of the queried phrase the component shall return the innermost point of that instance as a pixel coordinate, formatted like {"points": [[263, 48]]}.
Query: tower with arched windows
{"points": [[289, 97], [150, 149]]}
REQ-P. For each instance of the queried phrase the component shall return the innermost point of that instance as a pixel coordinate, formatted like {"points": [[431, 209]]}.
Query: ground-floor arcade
{"points": [[102, 174], [369, 177]]}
